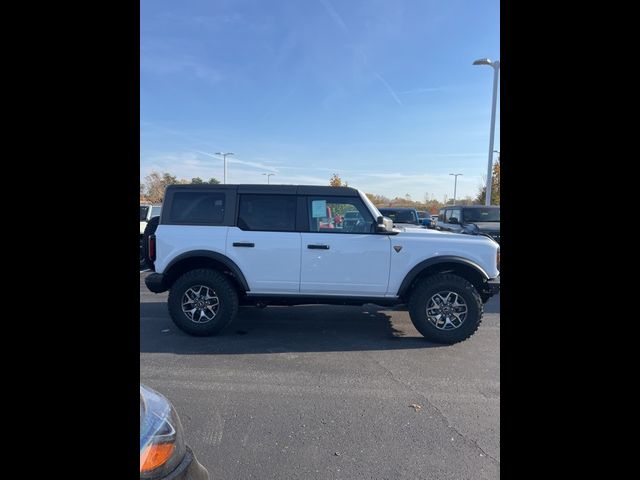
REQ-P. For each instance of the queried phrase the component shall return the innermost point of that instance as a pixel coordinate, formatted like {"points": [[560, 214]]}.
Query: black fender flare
{"points": [[226, 261], [420, 267]]}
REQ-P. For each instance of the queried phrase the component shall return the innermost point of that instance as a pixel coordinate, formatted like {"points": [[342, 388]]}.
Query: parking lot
{"points": [[329, 392]]}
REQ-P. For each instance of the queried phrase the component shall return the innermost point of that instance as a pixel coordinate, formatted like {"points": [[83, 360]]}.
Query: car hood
{"points": [[416, 231], [488, 226], [407, 225], [426, 233]]}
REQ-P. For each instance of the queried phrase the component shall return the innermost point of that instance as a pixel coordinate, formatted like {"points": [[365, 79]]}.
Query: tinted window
{"points": [[441, 216], [482, 215], [155, 211], [197, 207], [267, 212], [400, 216], [143, 212], [339, 215], [454, 214]]}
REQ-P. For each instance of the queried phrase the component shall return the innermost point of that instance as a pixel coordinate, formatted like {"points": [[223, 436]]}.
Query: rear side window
{"points": [[441, 216], [267, 213], [197, 208]]}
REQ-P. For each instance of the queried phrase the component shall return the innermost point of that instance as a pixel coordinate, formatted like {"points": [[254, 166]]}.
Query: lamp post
{"points": [[455, 185], [224, 155], [496, 68], [268, 175]]}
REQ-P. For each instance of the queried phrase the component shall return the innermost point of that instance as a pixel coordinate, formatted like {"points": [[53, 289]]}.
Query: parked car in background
{"points": [[425, 219], [352, 218], [164, 455], [147, 212], [456, 218], [402, 216], [149, 219]]}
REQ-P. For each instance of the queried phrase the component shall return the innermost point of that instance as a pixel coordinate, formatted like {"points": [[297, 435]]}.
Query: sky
{"points": [[381, 92]]}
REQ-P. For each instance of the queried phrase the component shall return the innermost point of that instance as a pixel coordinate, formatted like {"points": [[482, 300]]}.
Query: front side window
{"points": [[197, 207], [267, 213], [339, 215], [454, 214]]}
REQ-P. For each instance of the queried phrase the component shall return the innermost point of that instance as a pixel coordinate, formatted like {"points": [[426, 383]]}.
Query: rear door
{"points": [[265, 245], [348, 258]]}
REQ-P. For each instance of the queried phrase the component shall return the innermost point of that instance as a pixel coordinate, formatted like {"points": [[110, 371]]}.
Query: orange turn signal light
{"points": [[155, 455]]}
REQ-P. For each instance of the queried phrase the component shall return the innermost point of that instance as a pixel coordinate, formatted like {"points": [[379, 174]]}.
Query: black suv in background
{"points": [[486, 218], [402, 216]]}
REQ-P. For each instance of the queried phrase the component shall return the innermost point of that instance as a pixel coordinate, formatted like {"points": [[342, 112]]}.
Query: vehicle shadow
{"points": [[305, 328]]}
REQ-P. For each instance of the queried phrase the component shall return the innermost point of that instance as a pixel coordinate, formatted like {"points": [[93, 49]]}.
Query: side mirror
{"points": [[384, 225], [454, 220]]}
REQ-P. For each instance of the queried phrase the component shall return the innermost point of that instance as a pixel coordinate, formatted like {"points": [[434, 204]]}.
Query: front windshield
{"points": [[473, 215]]}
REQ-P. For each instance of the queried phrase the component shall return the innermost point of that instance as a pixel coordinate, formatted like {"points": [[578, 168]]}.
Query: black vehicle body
{"points": [[458, 218], [402, 216]]}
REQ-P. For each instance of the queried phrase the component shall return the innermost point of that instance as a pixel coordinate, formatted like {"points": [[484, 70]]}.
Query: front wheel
{"points": [[445, 308], [202, 302]]}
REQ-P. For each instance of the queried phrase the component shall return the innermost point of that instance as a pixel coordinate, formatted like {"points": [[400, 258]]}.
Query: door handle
{"points": [[243, 244], [318, 247]]}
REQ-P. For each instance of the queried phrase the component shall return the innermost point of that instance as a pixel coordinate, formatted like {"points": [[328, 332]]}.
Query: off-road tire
{"points": [[445, 282], [216, 281]]}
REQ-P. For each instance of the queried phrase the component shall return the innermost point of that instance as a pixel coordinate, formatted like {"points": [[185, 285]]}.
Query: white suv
{"points": [[218, 247]]}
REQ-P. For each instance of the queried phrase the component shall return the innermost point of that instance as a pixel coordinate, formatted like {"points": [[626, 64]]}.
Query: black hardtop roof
{"points": [[273, 189]]}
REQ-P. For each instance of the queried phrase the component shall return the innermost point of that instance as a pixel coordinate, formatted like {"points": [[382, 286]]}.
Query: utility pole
{"points": [[455, 185]]}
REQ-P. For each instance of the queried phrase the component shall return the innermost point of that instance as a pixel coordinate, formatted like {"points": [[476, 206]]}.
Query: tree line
{"points": [[152, 191]]}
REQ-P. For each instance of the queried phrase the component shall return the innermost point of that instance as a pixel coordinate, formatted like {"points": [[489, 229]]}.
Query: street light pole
{"points": [[268, 175], [224, 155], [455, 185], [496, 68]]}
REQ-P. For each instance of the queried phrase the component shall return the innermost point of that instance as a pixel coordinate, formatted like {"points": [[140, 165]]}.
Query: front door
{"points": [[343, 257]]}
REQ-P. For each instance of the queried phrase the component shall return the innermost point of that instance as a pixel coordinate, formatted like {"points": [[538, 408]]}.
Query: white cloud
{"points": [[192, 164]]}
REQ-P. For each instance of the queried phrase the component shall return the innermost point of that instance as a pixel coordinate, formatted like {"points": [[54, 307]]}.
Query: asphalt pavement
{"points": [[329, 392]]}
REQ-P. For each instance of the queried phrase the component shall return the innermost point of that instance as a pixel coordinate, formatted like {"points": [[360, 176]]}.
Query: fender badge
{"points": [[397, 248]]}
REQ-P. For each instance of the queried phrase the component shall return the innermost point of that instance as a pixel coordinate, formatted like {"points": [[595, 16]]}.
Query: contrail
{"points": [[333, 14], [393, 94]]}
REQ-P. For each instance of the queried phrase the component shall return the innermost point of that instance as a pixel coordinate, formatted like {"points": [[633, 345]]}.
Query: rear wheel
{"points": [[202, 302], [445, 308]]}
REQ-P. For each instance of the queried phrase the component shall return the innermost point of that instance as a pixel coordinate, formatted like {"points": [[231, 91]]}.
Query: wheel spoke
{"points": [[446, 310], [209, 294], [200, 304]]}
